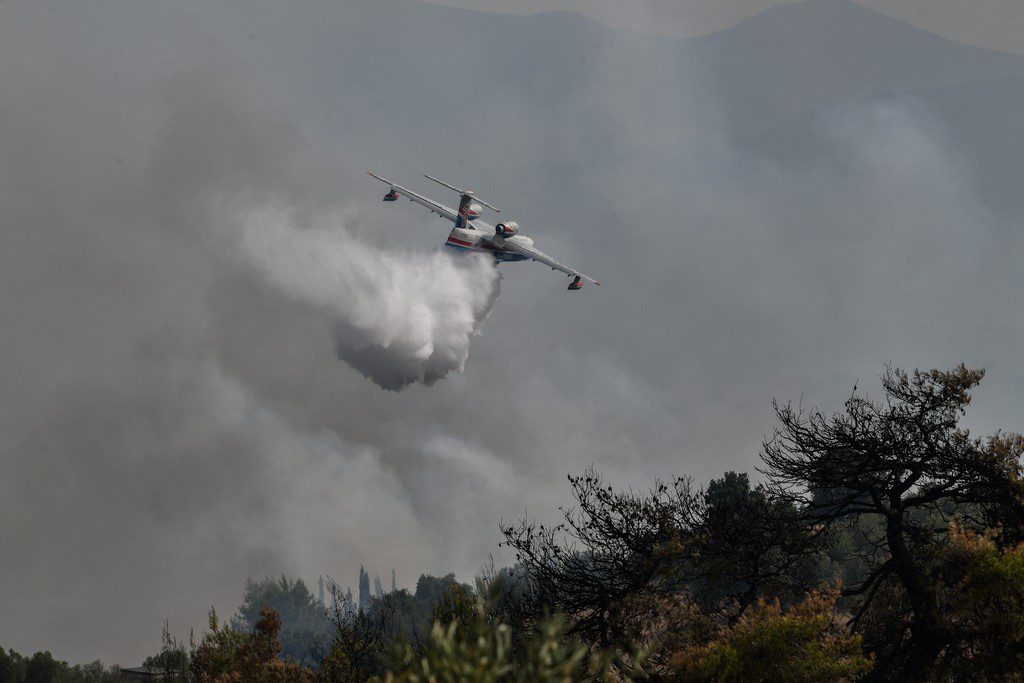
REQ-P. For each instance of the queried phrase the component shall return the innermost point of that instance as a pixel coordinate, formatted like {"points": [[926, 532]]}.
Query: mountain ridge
{"points": [[800, 56]]}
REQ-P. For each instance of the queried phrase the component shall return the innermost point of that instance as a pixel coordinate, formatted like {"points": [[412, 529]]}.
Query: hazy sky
{"points": [[995, 24], [189, 243]]}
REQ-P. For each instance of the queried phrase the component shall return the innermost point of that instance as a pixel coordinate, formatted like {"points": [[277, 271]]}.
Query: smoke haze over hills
{"points": [[993, 24], [190, 243]]}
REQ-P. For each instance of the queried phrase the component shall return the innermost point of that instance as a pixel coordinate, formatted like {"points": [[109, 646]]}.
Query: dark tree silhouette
{"points": [[743, 544], [358, 643], [601, 557], [908, 463], [364, 589], [621, 560]]}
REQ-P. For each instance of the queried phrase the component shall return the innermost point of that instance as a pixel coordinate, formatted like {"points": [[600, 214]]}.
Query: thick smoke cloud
{"points": [[186, 219], [400, 317], [176, 273]]}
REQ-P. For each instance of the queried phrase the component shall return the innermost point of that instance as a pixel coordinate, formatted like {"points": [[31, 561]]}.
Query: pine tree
{"points": [[394, 584], [378, 590]]}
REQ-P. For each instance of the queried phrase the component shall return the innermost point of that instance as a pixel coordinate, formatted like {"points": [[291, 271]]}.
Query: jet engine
{"points": [[506, 229]]}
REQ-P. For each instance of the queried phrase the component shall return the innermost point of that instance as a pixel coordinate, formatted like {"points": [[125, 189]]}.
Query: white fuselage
{"points": [[473, 240]]}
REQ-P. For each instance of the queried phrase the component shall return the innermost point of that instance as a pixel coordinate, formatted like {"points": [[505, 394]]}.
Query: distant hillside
{"points": [[995, 24], [761, 73], [478, 80], [795, 57], [438, 78]]}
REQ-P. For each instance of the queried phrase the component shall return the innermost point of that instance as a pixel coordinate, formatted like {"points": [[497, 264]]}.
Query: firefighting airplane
{"points": [[503, 241]]}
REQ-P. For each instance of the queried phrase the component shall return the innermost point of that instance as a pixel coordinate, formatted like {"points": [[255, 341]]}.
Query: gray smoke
{"points": [[188, 242]]}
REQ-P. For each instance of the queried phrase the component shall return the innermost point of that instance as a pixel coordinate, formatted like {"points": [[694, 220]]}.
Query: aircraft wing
{"points": [[438, 208], [518, 245]]}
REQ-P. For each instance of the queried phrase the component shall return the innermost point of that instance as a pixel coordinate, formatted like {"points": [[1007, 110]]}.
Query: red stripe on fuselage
{"points": [[482, 246]]}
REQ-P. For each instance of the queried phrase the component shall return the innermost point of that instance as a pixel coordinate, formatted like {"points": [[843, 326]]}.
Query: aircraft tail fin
{"points": [[467, 199]]}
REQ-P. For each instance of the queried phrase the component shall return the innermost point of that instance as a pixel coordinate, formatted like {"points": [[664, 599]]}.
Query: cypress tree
{"points": [[364, 589]]}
